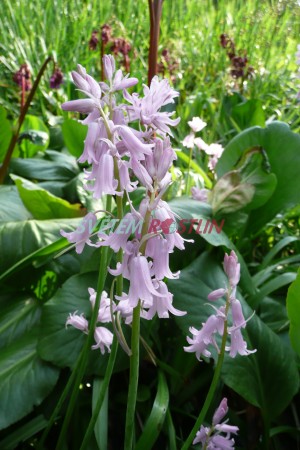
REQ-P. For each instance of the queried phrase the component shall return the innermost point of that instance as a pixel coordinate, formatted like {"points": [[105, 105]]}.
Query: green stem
{"points": [[188, 173], [88, 342], [213, 386], [134, 378], [104, 387]]}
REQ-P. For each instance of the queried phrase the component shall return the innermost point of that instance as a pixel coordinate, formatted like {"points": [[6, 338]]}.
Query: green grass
{"points": [[267, 30]]}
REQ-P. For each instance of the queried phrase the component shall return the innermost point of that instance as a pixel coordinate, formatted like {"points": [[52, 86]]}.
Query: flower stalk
{"points": [[23, 112]]}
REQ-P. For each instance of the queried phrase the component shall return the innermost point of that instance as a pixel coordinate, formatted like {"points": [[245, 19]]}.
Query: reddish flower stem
{"points": [[15, 136], [155, 10]]}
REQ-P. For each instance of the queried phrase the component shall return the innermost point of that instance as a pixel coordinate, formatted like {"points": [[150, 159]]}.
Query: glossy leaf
{"points": [[282, 149], [293, 307], [34, 136], [74, 134], [44, 205], [25, 380]]}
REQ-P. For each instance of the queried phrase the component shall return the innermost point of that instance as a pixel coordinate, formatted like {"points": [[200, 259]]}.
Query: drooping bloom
{"points": [[211, 437], [204, 340], [81, 236]]}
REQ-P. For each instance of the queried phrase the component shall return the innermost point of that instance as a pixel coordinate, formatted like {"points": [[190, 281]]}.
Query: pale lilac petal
{"points": [[78, 322], [84, 106], [220, 412], [197, 124], [81, 235], [218, 293], [103, 338]]}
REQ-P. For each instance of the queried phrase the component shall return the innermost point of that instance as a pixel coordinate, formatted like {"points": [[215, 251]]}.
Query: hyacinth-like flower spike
{"points": [[205, 338], [211, 437]]}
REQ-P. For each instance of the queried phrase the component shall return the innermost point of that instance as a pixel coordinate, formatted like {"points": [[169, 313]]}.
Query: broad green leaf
{"points": [[17, 317], [248, 114], [19, 240], [25, 380], [101, 426], [282, 149], [74, 134], [11, 206], [42, 169], [44, 205], [187, 208], [157, 416], [230, 194], [61, 345], [293, 308], [267, 379], [254, 173], [5, 133], [37, 136]]}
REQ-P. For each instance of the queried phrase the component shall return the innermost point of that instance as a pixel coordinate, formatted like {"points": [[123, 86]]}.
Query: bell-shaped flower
{"points": [[162, 306], [211, 438], [116, 80], [197, 124], [232, 268], [157, 249], [78, 322], [88, 86], [82, 234], [103, 338], [103, 178]]}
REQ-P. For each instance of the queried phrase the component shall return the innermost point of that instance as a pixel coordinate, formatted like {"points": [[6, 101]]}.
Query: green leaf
{"points": [[19, 240], [34, 136], [25, 380], [267, 379], [230, 194], [188, 208], [101, 426], [18, 317], [271, 286], [5, 133], [293, 307], [248, 114], [42, 169], [282, 149], [11, 206], [44, 205], [277, 247], [74, 134], [157, 416]]}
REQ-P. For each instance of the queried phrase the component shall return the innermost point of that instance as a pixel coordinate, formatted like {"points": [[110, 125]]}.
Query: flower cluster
{"points": [[211, 437], [239, 64], [121, 158], [23, 77], [214, 151], [103, 337], [57, 78], [205, 338]]}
